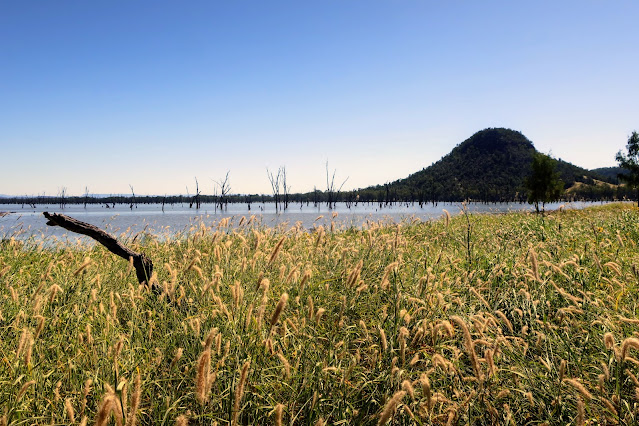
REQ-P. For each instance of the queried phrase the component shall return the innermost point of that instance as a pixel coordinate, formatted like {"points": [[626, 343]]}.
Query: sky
{"points": [[107, 95]]}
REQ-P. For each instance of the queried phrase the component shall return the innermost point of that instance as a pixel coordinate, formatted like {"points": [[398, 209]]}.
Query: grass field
{"points": [[479, 319]]}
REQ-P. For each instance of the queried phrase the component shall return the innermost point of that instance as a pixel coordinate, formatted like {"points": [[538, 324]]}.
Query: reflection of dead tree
{"points": [[225, 189], [63, 196], [215, 197], [330, 188], [315, 196], [196, 197], [86, 196], [133, 199], [197, 194], [142, 264]]}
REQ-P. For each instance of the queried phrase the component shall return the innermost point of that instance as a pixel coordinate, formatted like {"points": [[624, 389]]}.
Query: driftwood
{"points": [[142, 264]]}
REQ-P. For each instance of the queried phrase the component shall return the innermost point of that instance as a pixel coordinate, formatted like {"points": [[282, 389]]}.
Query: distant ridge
{"points": [[491, 165], [610, 173]]}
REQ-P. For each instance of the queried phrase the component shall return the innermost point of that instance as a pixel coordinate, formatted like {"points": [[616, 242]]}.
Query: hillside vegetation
{"points": [[478, 319], [610, 173], [491, 165]]}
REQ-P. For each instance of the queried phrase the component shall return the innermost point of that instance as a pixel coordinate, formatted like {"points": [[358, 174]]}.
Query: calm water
{"points": [[25, 222]]}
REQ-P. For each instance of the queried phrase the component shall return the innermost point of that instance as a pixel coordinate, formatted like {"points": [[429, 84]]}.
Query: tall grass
{"points": [[382, 325]]}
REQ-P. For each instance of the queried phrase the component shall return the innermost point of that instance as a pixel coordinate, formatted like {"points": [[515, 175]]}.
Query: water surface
{"points": [[25, 222]]}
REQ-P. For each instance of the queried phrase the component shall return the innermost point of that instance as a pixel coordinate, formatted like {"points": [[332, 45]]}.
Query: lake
{"points": [[26, 222]]}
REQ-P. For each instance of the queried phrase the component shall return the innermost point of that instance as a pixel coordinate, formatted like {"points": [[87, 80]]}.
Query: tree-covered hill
{"points": [[610, 173], [491, 165]]}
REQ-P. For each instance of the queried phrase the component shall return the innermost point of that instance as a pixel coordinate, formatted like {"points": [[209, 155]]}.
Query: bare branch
{"points": [[142, 264]]}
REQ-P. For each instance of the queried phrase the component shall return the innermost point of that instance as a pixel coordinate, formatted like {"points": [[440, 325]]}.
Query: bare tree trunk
{"points": [[285, 187], [133, 202], [142, 264], [196, 198], [225, 189], [275, 185]]}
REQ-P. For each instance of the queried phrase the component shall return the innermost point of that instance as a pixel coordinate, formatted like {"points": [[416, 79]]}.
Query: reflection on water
{"points": [[25, 222]]}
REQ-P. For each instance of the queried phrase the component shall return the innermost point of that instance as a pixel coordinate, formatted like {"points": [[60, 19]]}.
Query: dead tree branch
{"points": [[142, 264]]}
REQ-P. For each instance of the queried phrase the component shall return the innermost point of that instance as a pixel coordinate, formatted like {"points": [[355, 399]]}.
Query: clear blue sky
{"points": [[103, 94]]}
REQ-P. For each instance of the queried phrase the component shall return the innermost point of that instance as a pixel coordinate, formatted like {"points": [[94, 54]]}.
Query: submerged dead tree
{"points": [[225, 189], [133, 202], [275, 185], [142, 264], [331, 190], [196, 197]]}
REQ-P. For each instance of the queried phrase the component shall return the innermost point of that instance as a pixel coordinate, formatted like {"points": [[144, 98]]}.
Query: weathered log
{"points": [[141, 262]]}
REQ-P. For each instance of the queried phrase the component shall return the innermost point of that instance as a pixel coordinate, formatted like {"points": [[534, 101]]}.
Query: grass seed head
{"points": [[202, 376], [631, 342], [110, 406], [276, 251], [446, 217], [135, 402], [382, 337], [609, 340], [286, 364], [24, 388], [239, 390], [407, 386], [279, 308], [534, 265], [279, 411], [85, 393], [580, 420], [391, 407], [580, 388], [68, 408]]}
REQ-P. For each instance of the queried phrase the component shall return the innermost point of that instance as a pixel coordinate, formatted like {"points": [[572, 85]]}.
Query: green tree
{"points": [[630, 162], [543, 184]]}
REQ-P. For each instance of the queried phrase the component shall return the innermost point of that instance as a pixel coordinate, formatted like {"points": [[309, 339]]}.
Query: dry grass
{"points": [[387, 324]]}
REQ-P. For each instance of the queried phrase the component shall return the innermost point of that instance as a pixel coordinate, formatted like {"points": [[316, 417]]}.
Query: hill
{"points": [[610, 173], [491, 165]]}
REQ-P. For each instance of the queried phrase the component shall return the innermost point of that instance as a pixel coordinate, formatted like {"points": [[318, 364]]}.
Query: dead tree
{"points": [[225, 189], [331, 190], [275, 185], [63, 195], [286, 188], [196, 197], [86, 196], [133, 202], [141, 262]]}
